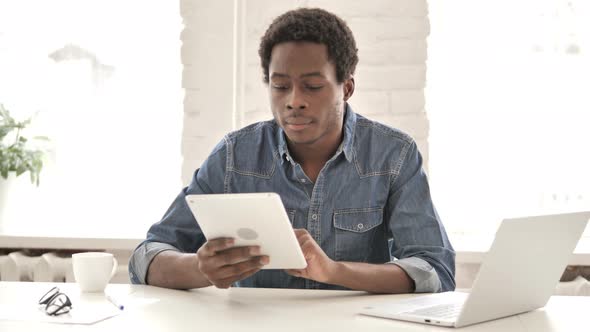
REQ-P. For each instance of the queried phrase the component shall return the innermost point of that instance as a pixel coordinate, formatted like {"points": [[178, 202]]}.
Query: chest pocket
{"points": [[354, 231]]}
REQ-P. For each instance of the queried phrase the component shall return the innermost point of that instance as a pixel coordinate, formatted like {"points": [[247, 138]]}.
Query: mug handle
{"points": [[115, 265]]}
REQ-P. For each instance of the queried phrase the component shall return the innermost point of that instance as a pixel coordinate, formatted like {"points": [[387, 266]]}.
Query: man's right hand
{"points": [[222, 264]]}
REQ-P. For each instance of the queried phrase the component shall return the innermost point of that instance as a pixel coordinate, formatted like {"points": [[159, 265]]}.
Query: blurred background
{"points": [[133, 96]]}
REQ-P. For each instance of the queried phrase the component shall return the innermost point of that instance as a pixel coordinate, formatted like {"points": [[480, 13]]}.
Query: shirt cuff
{"points": [[424, 275], [142, 258]]}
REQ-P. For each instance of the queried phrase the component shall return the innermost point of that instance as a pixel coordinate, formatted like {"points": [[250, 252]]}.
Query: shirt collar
{"points": [[283, 150], [347, 140], [349, 128]]}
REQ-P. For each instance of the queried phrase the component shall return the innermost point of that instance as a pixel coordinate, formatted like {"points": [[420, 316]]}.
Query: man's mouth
{"points": [[297, 125]]}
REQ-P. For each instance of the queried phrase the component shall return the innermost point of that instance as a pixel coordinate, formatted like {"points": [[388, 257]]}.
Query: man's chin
{"points": [[300, 139]]}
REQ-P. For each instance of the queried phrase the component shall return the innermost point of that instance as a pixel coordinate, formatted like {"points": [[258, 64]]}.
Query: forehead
{"points": [[296, 58]]}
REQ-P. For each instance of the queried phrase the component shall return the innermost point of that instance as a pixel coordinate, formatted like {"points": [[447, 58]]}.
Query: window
{"points": [[508, 108], [104, 77]]}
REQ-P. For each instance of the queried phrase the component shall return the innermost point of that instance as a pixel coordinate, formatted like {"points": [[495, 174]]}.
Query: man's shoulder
{"points": [[368, 130], [379, 149], [253, 146], [247, 138]]}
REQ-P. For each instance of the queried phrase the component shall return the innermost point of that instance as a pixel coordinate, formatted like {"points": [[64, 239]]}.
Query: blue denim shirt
{"points": [[370, 203]]}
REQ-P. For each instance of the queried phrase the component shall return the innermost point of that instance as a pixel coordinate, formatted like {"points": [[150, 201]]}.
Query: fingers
{"points": [[235, 255], [223, 264], [227, 275], [300, 232], [225, 257], [302, 235], [305, 239], [227, 282], [219, 252], [211, 247], [235, 270]]}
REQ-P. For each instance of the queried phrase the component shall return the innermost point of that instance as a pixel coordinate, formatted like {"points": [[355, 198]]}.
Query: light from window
{"points": [[104, 77], [509, 110]]}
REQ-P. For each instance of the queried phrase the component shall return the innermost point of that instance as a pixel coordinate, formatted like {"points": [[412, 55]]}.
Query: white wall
{"points": [[223, 80]]}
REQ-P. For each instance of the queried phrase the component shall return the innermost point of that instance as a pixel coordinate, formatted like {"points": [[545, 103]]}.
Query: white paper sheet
{"points": [[86, 309]]}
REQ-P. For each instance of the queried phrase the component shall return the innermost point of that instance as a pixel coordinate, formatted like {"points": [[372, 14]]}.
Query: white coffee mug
{"points": [[93, 270]]}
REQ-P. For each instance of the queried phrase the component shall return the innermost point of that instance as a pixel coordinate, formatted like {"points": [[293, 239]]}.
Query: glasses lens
{"points": [[60, 304], [49, 296], [56, 310]]}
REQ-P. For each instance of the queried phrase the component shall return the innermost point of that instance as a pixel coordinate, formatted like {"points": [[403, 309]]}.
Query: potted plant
{"points": [[16, 155]]}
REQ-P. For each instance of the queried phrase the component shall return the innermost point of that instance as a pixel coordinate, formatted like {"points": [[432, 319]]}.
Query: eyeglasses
{"points": [[56, 303]]}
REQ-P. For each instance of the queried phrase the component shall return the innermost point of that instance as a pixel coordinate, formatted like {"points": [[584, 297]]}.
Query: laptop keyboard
{"points": [[445, 311]]}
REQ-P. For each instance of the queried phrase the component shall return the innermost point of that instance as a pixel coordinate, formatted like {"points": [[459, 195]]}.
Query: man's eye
{"points": [[314, 87], [279, 87]]}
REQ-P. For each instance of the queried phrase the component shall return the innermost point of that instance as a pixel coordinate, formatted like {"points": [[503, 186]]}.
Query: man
{"points": [[355, 189]]}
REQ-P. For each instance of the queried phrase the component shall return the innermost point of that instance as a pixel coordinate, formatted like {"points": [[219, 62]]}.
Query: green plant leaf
{"points": [[3, 132], [17, 156]]}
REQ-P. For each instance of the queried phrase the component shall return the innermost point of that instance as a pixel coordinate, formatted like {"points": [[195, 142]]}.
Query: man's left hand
{"points": [[319, 266]]}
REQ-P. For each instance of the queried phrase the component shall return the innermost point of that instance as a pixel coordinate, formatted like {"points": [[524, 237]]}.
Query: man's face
{"points": [[306, 99]]}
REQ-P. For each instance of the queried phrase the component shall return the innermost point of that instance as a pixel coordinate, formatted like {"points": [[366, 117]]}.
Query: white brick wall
{"points": [[223, 35]]}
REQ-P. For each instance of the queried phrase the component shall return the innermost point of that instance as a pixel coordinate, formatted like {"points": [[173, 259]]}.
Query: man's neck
{"points": [[313, 157], [305, 154]]}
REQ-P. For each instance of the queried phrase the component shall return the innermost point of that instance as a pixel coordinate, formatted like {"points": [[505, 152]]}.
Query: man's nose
{"points": [[296, 100]]}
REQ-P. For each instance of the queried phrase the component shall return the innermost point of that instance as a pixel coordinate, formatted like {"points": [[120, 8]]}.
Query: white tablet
{"points": [[251, 219]]}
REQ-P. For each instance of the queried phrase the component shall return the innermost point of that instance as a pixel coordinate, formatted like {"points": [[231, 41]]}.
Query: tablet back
{"points": [[251, 219]]}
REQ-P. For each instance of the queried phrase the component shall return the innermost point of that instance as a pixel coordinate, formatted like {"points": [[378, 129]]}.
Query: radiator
{"points": [[54, 266]]}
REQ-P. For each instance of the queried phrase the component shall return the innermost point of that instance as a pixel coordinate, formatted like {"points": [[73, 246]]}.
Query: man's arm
{"points": [[426, 258], [176, 234], [176, 253], [173, 269], [375, 278], [164, 258], [216, 263], [420, 242]]}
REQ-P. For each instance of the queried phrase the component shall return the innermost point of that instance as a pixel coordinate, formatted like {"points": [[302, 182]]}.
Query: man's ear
{"points": [[348, 87]]}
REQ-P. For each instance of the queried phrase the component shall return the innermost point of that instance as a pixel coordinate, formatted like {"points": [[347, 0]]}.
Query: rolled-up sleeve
{"points": [[142, 257], [178, 229], [425, 278], [420, 245]]}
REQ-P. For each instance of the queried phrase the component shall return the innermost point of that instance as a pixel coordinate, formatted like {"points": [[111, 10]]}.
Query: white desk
{"points": [[240, 309]]}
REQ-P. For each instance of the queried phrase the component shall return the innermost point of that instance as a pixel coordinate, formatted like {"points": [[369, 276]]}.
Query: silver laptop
{"points": [[519, 274]]}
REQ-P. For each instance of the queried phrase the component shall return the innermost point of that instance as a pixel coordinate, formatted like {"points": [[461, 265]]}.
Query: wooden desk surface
{"points": [[242, 309]]}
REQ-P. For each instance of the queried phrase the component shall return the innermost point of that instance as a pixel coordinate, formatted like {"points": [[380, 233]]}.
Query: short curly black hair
{"points": [[312, 25]]}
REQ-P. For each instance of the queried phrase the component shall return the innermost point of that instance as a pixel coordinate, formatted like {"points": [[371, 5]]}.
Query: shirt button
{"points": [[314, 216], [302, 180], [287, 157], [360, 226]]}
